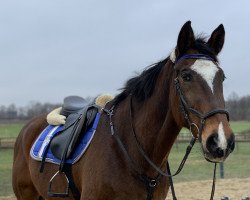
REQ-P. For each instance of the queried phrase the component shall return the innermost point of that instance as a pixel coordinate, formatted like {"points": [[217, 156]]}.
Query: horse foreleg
{"points": [[22, 184]]}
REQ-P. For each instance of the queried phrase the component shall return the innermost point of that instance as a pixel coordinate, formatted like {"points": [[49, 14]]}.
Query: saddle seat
{"points": [[80, 115], [73, 104]]}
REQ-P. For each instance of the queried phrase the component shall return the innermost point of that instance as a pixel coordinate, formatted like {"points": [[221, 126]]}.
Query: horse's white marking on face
{"points": [[222, 141], [207, 69]]}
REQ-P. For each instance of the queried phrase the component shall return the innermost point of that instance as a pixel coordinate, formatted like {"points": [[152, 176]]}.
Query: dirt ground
{"points": [[236, 189], [8, 198]]}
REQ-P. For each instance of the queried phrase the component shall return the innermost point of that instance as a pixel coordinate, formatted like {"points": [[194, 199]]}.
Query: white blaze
{"points": [[207, 69], [222, 141]]}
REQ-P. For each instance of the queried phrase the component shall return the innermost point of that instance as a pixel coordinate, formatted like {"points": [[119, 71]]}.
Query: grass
{"points": [[238, 127], [5, 171], [197, 168], [10, 130]]}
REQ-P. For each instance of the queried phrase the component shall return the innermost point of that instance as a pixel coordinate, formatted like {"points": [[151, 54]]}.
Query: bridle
{"points": [[184, 105], [152, 182], [201, 116]]}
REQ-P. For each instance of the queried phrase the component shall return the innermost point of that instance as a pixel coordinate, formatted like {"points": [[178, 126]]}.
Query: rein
{"points": [[152, 183]]}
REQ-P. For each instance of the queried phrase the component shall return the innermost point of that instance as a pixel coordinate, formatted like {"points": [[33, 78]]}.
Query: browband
{"points": [[194, 56]]}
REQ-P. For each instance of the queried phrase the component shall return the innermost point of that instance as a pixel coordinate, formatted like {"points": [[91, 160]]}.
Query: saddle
{"points": [[80, 115]]}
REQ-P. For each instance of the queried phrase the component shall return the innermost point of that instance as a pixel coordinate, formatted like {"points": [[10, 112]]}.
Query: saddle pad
{"points": [[39, 147]]}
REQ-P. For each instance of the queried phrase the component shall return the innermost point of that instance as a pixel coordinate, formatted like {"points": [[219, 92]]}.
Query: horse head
{"points": [[197, 100]]}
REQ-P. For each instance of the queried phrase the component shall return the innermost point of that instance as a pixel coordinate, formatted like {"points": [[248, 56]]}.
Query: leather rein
{"points": [[152, 182]]}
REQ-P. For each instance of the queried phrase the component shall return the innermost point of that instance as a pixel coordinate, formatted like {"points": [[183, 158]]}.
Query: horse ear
{"points": [[185, 38], [216, 41]]}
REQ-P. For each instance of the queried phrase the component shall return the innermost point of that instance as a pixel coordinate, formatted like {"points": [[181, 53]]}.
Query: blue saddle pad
{"points": [[41, 143]]}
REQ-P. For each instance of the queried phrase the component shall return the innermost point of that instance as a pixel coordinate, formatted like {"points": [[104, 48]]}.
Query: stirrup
{"points": [[58, 194]]}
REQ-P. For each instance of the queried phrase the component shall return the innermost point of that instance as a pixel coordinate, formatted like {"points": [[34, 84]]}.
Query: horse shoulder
{"points": [[30, 132]]}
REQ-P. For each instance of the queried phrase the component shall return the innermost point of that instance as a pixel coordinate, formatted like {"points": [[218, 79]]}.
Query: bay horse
{"points": [[183, 90]]}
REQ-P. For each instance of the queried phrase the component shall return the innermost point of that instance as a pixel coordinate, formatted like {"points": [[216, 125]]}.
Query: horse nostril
{"points": [[219, 152], [213, 148], [231, 143], [211, 143]]}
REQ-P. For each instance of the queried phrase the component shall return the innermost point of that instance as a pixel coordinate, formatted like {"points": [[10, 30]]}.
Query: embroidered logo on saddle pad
{"points": [[39, 147]]}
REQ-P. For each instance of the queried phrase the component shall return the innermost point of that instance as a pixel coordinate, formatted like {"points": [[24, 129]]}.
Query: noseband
{"points": [[152, 183]]}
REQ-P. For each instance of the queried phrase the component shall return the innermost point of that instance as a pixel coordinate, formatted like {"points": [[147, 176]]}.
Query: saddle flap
{"points": [[63, 144]]}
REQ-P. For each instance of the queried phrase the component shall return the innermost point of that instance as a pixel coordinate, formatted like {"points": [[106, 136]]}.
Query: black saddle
{"points": [[80, 115], [73, 104]]}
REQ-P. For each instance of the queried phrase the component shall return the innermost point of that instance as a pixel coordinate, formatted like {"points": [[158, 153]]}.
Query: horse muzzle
{"points": [[217, 148]]}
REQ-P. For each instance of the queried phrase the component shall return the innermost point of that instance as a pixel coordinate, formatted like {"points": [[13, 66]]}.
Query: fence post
{"points": [[222, 170]]}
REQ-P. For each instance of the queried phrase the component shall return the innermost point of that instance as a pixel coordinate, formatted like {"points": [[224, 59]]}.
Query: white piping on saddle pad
{"points": [[46, 141]]}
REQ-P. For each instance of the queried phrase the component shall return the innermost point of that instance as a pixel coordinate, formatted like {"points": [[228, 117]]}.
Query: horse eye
{"points": [[186, 76]]}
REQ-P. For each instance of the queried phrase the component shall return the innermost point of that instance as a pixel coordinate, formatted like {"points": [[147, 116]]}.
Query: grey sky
{"points": [[53, 48]]}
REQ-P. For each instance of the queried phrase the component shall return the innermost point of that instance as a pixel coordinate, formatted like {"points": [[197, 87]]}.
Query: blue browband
{"points": [[194, 56]]}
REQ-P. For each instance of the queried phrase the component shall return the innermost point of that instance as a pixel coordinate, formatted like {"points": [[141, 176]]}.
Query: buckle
{"points": [[197, 128]]}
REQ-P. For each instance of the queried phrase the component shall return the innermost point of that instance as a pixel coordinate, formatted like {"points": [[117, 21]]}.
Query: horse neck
{"points": [[153, 122]]}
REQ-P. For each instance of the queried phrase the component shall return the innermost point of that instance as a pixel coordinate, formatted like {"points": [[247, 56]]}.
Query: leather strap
{"points": [[194, 56], [202, 116], [68, 171], [171, 182], [214, 180], [152, 164], [142, 152], [150, 183]]}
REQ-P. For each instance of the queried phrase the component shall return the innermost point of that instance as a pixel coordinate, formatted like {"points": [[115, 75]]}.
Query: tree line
{"points": [[238, 107], [12, 112]]}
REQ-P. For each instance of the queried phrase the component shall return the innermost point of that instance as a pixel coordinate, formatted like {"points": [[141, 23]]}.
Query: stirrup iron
{"points": [[58, 194]]}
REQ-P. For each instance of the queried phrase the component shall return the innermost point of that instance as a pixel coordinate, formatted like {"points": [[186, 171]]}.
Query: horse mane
{"points": [[142, 85]]}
